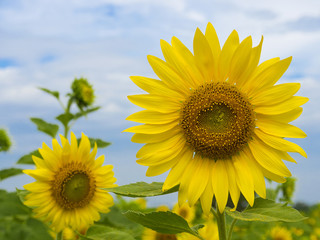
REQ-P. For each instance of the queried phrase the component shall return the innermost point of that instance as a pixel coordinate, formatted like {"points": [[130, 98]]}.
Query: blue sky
{"points": [[49, 43]]}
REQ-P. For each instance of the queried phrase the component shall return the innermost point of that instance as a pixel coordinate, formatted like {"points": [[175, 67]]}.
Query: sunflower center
{"points": [[73, 187], [217, 120]]}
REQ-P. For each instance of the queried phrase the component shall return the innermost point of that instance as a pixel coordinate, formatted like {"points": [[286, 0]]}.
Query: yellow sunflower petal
{"points": [[257, 175], [151, 128], [270, 75], [178, 63], [220, 184], [160, 168], [283, 117], [267, 159], [167, 74], [280, 143], [191, 68], [199, 179], [276, 94], [226, 54], [202, 55], [155, 102], [280, 129], [155, 87], [252, 65], [152, 138], [153, 148], [174, 176], [213, 41], [240, 60], [207, 195], [153, 117], [244, 177], [233, 186], [282, 107]]}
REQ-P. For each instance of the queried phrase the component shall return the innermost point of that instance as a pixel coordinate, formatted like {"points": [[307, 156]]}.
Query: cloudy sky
{"points": [[48, 43]]}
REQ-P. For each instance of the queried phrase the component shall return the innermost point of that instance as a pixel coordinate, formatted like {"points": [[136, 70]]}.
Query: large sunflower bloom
{"points": [[68, 190], [216, 119]]}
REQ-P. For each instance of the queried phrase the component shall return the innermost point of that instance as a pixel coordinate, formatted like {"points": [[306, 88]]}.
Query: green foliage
{"points": [[53, 93], [27, 159], [9, 172], [100, 232], [142, 189], [43, 126], [267, 211], [163, 222], [86, 112]]}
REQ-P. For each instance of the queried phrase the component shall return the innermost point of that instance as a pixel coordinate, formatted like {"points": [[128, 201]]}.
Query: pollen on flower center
{"points": [[162, 236], [217, 120], [73, 187]]}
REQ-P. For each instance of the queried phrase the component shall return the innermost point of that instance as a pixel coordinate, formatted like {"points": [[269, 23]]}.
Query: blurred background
{"points": [[48, 43]]}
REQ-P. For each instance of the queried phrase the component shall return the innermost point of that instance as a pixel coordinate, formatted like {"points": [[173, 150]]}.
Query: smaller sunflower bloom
{"points": [[68, 191], [82, 92], [280, 233], [162, 208], [188, 213], [208, 232], [149, 234], [297, 231], [141, 202]]}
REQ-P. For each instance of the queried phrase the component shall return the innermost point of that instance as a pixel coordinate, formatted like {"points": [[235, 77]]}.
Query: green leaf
{"points": [[27, 159], [267, 211], [163, 222], [84, 113], [48, 128], [100, 143], [37, 230], [21, 194], [142, 189], [99, 232], [9, 172], [65, 118], [10, 205], [53, 93]]}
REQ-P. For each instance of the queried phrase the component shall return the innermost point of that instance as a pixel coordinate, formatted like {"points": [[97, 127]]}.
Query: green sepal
{"points": [[9, 172], [43, 126], [142, 189], [265, 210], [163, 222], [27, 159]]}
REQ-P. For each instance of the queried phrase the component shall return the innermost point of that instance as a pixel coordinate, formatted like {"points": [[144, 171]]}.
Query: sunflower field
{"points": [[214, 119]]}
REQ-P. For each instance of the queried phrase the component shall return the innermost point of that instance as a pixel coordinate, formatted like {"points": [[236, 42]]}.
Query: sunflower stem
{"points": [[221, 220], [231, 228]]}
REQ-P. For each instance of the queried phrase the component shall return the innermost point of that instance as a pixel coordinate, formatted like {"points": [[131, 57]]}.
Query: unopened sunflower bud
{"points": [[83, 92], [288, 189], [5, 142]]}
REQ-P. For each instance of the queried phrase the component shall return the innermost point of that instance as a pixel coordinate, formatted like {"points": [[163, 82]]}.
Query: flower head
{"points": [[68, 190], [280, 233], [83, 92], [216, 119]]}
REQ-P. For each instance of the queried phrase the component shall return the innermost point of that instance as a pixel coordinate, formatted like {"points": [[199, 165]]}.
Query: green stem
{"points": [[231, 228], [221, 220]]}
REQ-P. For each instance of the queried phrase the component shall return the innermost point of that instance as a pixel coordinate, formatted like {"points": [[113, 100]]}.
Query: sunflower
{"points": [[68, 190], [216, 119], [185, 211], [280, 233]]}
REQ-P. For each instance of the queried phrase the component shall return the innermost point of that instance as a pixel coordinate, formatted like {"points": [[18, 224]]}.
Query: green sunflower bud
{"points": [[83, 92], [5, 142]]}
